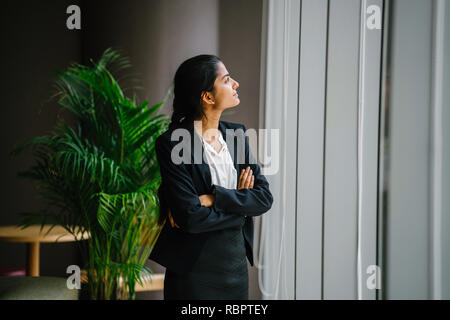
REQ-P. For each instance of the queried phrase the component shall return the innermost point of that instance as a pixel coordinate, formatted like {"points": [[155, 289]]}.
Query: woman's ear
{"points": [[207, 97]]}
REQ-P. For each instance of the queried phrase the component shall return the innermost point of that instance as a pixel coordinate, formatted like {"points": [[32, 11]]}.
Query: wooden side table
{"points": [[33, 237]]}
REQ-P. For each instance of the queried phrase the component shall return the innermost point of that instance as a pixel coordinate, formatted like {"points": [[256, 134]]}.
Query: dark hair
{"points": [[193, 76]]}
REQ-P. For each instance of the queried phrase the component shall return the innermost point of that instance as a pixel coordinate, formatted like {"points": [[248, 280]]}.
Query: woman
{"points": [[209, 206]]}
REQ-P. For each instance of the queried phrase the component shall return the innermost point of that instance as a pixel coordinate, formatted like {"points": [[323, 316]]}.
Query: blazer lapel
{"points": [[230, 139], [203, 167]]}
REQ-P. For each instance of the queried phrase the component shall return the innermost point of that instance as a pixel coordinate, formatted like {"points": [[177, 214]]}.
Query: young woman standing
{"points": [[209, 205]]}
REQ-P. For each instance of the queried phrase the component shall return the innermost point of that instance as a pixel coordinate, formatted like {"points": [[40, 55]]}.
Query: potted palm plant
{"points": [[101, 175]]}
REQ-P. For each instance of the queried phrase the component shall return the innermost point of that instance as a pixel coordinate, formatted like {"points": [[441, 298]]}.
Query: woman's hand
{"points": [[172, 222], [246, 179], [207, 200]]}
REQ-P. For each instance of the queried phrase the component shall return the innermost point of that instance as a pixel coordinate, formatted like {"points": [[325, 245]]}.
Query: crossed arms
{"points": [[202, 213]]}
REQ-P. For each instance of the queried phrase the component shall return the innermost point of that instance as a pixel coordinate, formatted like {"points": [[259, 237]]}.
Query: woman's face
{"points": [[225, 94]]}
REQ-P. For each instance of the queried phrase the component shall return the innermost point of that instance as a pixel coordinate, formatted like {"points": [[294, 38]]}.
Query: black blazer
{"points": [[178, 248]]}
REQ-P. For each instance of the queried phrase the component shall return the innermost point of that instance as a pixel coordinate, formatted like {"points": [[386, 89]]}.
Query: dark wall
{"points": [[157, 35], [240, 26], [35, 43]]}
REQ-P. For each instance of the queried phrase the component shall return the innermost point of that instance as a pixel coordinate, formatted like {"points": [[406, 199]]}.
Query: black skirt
{"points": [[220, 273]]}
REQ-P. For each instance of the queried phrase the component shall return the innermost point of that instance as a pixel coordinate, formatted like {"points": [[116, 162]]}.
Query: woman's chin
{"points": [[235, 104]]}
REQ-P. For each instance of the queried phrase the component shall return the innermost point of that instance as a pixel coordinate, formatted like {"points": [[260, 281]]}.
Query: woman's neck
{"points": [[209, 128]]}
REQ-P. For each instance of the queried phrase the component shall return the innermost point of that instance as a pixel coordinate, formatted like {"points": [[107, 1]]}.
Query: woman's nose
{"points": [[236, 84]]}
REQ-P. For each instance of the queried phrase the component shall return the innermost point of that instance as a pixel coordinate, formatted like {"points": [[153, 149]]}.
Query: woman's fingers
{"points": [[172, 222], [201, 198], [206, 200], [241, 179], [249, 179], [245, 178]]}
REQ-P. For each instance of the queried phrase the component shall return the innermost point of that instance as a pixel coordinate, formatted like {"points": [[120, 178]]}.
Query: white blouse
{"points": [[223, 172]]}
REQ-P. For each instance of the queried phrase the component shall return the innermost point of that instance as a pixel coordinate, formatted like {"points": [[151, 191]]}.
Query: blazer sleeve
{"points": [[182, 196], [246, 202]]}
